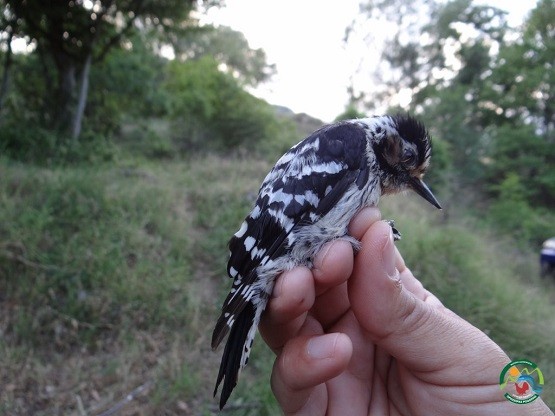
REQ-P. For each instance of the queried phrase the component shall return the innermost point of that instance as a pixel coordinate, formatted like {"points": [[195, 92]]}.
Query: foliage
{"points": [[440, 175], [533, 167], [519, 97], [486, 90], [232, 51], [428, 45], [147, 138], [39, 145], [135, 83], [212, 111], [127, 85], [512, 214], [29, 97], [350, 113], [523, 81], [449, 118], [70, 35]]}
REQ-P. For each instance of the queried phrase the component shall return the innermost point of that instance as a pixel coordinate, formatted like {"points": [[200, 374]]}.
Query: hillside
{"points": [[305, 124], [112, 277], [131, 149]]}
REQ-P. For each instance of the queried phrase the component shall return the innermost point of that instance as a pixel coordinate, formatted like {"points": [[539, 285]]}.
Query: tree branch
{"points": [[118, 36], [7, 66]]}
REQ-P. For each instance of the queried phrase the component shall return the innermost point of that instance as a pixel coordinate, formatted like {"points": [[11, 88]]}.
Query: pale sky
{"points": [[304, 38]]}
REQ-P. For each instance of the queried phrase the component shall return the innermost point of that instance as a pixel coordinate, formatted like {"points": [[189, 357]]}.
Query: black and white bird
{"points": [[308, 199]]}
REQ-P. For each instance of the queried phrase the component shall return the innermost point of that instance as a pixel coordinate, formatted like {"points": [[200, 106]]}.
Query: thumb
{"points": [[380, 302], [392, 308]]}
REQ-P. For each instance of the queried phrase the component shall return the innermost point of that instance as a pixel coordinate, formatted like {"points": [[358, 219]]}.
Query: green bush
{"points": [[521, 152], [126, 83], [211, 111], [150, 138], [30, 143], [512, 213]]}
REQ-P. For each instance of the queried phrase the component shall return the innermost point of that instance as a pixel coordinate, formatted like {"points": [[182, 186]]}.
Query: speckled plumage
{"points": [[306, 200]]}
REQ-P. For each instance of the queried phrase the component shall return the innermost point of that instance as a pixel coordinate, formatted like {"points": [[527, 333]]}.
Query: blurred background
{"points": [[133, 138]]}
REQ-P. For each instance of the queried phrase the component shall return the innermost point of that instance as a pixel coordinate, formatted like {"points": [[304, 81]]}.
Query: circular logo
{"points": [[522, 380]]}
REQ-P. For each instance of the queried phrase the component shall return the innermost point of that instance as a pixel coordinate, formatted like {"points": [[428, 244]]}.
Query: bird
{"points": [[306, 200], [522, 389]]}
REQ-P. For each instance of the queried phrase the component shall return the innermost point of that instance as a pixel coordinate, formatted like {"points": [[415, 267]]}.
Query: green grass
{"points": [[95, 245], [100, 258], [111, 277]]}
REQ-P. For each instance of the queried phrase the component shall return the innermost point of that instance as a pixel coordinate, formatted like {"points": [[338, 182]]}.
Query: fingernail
{"points": [[322, 346], [388, 256]]}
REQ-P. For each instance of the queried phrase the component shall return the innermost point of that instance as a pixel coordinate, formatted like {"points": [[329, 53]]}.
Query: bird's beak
{"points": [[422, 189]]}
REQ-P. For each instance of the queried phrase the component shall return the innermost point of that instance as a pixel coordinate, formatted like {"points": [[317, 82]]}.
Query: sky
{"points": [[304, 39]]}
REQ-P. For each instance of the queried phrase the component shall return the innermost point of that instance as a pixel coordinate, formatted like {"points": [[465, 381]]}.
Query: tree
{"points": [[231, 49], [490, 96], [439, 54], [9, 27], [517, 98], [127, 85], [522, 84], [392, 27], [519, 150], [212, 111], [72, 35], [431, 43]]}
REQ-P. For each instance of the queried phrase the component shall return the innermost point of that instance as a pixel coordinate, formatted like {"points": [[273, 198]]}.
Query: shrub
{"points": [[512, 213], [211, 111], [30, 143]]}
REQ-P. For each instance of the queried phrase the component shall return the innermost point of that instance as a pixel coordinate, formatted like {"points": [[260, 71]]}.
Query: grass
{"points": [[111, 277], [114, 272]]}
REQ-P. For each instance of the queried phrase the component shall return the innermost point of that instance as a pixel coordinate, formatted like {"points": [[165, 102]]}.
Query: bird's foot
{"points": [[396, 233]]}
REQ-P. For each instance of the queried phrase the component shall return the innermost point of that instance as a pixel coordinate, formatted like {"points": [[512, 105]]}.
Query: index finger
{"points": [[362, 221], [292, 297]]}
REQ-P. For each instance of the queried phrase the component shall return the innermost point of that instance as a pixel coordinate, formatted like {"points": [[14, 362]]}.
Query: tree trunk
{"points": [[66, 94], [49, 100], [82, 98], [7, 67]]}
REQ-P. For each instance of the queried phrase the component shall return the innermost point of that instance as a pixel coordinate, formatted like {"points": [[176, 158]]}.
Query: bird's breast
{"points": [[306, 241]]}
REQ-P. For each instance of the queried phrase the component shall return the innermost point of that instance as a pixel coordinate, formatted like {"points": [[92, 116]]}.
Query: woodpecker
{"points": [[306, 200]]}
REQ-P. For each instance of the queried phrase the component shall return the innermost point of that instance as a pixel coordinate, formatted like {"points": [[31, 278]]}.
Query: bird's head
{"points": [[403, 149]]}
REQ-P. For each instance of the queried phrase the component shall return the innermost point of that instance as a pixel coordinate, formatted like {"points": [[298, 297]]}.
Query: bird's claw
{"points": [[396, 233]]}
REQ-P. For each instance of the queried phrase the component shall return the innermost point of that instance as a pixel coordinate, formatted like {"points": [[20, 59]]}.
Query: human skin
{"points": [[360, 335]]}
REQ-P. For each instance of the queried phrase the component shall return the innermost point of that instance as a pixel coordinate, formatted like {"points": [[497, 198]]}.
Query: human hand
{"points": [[360, 335]]}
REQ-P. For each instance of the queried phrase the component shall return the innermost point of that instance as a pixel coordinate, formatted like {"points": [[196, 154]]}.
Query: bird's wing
{"points": [[304, 185], [314, 177]]}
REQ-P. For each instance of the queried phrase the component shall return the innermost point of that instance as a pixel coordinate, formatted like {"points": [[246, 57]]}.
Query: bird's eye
{"points": [[409, 157]]}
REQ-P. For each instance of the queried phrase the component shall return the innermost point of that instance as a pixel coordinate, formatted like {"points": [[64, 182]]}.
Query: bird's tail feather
{"points": [[236, 352]]}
